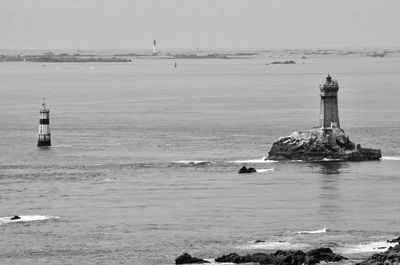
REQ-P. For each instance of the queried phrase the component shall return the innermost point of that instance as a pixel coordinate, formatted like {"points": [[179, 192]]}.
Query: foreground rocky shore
{"points": [[320, 145], [280, 257], [389, 257], [298, 257]]}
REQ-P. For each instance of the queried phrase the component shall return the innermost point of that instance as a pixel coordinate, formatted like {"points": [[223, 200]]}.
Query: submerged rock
{"points": [[185, 258], [320, 144], [244, 169], [389, 257], [15, 217]]}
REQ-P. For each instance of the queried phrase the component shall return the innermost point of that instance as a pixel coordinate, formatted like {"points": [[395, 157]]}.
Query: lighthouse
{"points": [[154, 47], [44, 126], [329, 113]]}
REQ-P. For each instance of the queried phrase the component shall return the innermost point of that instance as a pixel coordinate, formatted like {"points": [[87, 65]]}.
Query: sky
{"points": [[187, 24]]}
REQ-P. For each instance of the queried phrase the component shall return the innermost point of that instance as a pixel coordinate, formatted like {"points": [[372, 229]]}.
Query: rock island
{"points": [[326, 142]]}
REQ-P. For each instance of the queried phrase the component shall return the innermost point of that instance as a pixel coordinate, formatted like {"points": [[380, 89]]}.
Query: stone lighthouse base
{"points": [[320, 144]]}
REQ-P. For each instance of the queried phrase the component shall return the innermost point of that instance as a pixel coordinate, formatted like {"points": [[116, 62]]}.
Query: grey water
{"points": [[145, 156]]}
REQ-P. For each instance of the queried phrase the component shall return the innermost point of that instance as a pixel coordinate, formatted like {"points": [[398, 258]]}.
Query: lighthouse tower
{"points": [[329, 113], [44, 126], [154, 47]]}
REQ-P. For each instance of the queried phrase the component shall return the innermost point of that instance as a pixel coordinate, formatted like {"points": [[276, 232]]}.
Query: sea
{"points": [[144, 159]]}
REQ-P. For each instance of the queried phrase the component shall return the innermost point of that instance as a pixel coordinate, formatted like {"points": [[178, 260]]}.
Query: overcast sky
{"points": [[133, 24]]}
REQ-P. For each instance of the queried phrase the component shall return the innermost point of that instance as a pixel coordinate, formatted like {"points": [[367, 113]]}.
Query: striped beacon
{"points": [[44, 127]]}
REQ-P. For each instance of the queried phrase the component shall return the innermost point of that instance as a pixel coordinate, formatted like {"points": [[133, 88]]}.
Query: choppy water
{"points": [[144, 160]]}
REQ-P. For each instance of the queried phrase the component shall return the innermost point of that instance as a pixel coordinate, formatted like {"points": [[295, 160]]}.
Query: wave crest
{"points": [[254, 161], [263, 170], [284, 245], [193, 162], [323, 230], [27, 218], [378, 246], [390, 158]]}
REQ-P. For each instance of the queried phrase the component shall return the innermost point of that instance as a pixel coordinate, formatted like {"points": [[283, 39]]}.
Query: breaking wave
{"points": [[253, 161], [193, 162], [323, 230], [379, 246], [393, 158], [212, 261], [284, 245], [263, 170], [330, 160], [27, 218]]}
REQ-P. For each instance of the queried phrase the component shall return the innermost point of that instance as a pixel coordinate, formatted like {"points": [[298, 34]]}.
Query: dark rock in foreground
{"points": [[320, 144], [283, 257], [389, 257], [244, 170], [15, 217], [185, 258], [322, 254], [395, 240]]}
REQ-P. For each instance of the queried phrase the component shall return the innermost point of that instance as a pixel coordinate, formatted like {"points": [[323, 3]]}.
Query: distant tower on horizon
{"points": [[329, 112], [154, 47], [44, 126]]}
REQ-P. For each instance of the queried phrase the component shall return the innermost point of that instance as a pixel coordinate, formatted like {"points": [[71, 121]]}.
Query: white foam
{"points": [[323, 230], [109, 179], [192, 162], [253, 161], [212, 261], [263, 170], [379, 246], [284, 245], [390, 158], [27, 218], [330, 159]]}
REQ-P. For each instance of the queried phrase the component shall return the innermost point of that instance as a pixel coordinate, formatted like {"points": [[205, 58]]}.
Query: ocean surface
{"points": [[145, 156]]}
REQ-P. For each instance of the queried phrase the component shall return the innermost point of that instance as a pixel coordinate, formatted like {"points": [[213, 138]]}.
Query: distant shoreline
{"points": [[61, 58], [112, 56]]}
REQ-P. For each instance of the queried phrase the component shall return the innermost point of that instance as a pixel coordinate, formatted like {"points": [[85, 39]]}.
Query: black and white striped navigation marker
{"points": [[44, 126]]}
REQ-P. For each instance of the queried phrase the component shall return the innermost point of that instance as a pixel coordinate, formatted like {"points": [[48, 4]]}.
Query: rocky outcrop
{"points": [[245, 170], [185, 258], [395, 240], [283, 62], [322, 254], [283, 257], [320, 144], [261, 258], [389, 257]]}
